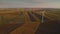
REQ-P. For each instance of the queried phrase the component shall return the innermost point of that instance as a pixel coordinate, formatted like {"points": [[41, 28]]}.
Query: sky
{"points": [[29, 3]]}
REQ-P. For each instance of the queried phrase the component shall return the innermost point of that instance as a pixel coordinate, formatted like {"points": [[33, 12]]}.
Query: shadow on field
{"points": [[48, 26], [7, 28], [53, 27]]}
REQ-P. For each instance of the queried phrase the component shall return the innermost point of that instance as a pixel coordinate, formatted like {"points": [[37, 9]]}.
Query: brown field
{"points": [[29, 20]]}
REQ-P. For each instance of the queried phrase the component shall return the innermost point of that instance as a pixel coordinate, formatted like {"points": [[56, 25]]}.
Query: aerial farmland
{"points": [[29, 20]]}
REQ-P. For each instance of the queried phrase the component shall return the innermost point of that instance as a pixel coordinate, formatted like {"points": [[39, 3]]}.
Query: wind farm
{"points": [[29, 20]]}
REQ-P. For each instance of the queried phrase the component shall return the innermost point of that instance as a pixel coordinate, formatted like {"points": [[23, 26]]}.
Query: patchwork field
{"points": [[29, 21]]}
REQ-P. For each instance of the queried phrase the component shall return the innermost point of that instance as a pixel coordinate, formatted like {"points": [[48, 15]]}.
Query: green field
{"points": [[53, 14], [11, 18]]}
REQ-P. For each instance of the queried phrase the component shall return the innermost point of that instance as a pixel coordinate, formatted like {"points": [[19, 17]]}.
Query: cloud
{"points": [[29, 3]]}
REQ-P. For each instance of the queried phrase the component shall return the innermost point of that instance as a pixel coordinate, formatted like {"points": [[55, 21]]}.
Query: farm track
{"points": [[29, 27]]}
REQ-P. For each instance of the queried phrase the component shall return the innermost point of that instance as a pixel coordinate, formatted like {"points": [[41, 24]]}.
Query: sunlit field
{"points": [[53, 14], [11, 18]]}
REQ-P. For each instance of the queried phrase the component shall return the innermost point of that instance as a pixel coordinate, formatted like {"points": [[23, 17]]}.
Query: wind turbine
{"points": [[43, 13]]}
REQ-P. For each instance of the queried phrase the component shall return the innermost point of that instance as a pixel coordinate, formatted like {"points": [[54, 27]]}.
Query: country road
{"points": [[29, 27]]}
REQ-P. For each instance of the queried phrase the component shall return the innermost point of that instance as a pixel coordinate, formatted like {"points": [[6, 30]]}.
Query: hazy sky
{"points": [[30, 3]]}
